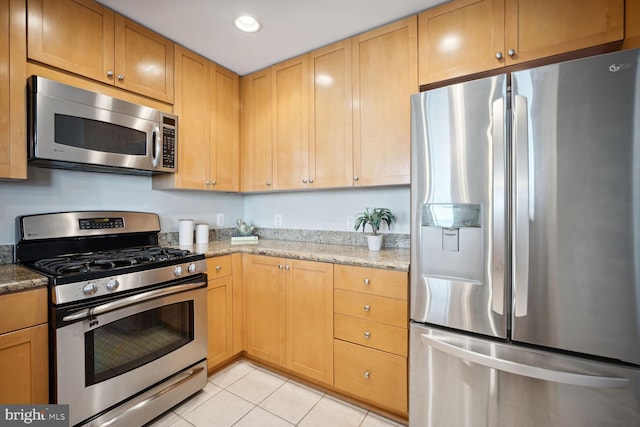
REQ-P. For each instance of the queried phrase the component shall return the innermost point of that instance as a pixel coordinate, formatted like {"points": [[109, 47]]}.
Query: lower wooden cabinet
{"points": [[371, 335], [24, 358], [224, 314], [373, 375], [289, 306]]}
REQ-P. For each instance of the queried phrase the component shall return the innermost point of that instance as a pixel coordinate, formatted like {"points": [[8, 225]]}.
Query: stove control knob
{"points": [[112, 285], [192, 268], [89, 289], [178, 271]]}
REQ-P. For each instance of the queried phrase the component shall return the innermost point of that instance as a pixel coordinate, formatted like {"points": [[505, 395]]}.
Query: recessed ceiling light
{"points": [[247, 24]]}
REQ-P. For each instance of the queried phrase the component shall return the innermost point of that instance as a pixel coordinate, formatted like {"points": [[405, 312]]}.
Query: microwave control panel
{"points": [[169, 141]]}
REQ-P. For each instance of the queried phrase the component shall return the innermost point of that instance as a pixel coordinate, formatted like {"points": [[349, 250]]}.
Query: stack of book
{"points": [[244, 240]]}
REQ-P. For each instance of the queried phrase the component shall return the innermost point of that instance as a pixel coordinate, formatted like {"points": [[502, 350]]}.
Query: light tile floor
{"points": [[246, 395]]}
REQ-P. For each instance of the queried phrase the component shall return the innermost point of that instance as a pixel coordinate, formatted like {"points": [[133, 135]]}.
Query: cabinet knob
{"points": [[207, 182], [511, 52], [218, 268], [367, 308], [367, 374], [498, 55], [268, 183], [355, 178], [286, 267], [280, 267], [367, 335], [366, 281], [214, 182], [304, 181], [110, 74], [120, 77], [310, 181]]}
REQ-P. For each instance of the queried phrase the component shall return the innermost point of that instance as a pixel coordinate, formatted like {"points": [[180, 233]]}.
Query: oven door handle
{"points": [[131, 300]]}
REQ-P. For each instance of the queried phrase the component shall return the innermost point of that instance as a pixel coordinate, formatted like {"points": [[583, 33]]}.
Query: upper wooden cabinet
{"points": [[330, 117], [290, 131], [255, 132], [206, 103], [469, 36], [86, 38], [13, 123], [631, 24], [385, 75]]}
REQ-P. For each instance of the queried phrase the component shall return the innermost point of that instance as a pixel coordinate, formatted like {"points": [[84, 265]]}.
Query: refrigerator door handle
{"points": [[522, 369], [521, 206], [499, 205]]}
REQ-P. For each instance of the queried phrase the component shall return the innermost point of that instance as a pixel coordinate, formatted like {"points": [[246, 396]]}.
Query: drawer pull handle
{"points": [[367, 308], [218, 268], [366, 374], [366, 281], [367, 335]]}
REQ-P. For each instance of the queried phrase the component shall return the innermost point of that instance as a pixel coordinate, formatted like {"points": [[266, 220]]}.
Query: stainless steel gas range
{"points": [[128, 331]]}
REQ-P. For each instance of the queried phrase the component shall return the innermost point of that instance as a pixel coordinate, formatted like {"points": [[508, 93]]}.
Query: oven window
{"points": [[99, 136], [133, 341]]}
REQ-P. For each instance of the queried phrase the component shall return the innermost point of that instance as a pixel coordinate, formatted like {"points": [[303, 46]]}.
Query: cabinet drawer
{"points": [[371, 307], [373, 281], [218, 267], [23, 309], [373, 375], [371, 334]]}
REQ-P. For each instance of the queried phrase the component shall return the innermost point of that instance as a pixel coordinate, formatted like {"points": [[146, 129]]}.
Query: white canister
{"points": [[185, 230], [202, 233]]}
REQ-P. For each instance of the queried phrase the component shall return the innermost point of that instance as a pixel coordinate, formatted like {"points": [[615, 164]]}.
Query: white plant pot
{"points": [[374, 242]]}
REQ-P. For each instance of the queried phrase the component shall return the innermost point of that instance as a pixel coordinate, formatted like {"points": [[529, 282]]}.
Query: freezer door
{"points": [[458, 199], [459, 381], [576, 247]]}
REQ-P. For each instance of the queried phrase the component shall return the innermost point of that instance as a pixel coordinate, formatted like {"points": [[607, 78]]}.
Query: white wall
{"points": [[327, 210], [50, 190]]}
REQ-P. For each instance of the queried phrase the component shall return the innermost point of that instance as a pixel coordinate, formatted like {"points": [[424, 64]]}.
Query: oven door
{"points": [[111, 351]]}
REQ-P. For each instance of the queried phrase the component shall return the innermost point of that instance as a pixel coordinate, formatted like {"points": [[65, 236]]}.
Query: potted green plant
{"points": [[374, 218]]}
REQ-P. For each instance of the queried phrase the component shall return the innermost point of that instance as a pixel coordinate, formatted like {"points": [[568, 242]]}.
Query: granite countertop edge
{"points": [[15, 278]]}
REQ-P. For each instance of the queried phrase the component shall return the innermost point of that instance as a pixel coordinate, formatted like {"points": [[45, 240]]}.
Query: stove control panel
{"points": [[84, 290], [100, 223]]}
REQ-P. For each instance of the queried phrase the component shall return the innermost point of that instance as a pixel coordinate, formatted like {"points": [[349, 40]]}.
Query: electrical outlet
{"points": [[350, 222], [277, 220], [220, 219]]}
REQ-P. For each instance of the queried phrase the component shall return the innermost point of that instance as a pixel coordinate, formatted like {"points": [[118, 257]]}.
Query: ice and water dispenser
{"points": [[451, 241]]}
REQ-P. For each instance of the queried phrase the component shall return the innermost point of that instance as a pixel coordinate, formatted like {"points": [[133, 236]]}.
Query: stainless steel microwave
{"points": [[72, 128]]}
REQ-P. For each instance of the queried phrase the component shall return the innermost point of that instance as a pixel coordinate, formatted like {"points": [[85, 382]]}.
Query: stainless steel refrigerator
{"points": [[525, 248]]}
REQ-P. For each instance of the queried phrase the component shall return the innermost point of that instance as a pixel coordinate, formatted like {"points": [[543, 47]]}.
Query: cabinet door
{"points": [[310, 319], [13, 123], [257, 163], [460, 38], [540, 28], [224, 158], [330, 117], [264, 283], [74, 35], [220, 320], [24, 361], [144, 60], [631, 24], [192, 108], [290, 125], [384, 77]]}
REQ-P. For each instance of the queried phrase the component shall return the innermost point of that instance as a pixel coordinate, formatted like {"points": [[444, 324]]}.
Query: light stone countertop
{"points": [[387, 258], [15, 278]]}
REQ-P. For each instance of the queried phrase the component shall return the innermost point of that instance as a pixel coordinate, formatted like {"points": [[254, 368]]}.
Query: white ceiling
{"points": [[289, 27]]}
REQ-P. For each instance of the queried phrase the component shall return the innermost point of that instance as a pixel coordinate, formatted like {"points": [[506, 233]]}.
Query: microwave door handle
{"points": [[131, 300], [155, 147]]}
